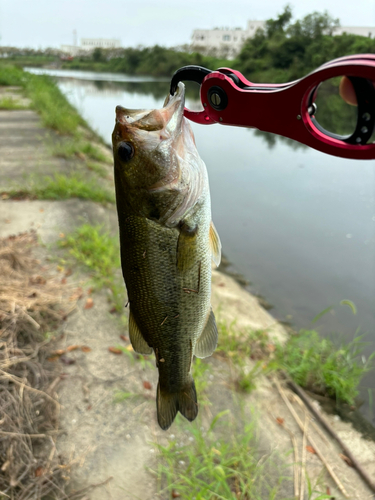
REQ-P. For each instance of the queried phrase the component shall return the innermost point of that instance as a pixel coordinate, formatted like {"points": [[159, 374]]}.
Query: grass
{"points": [[10, 75], [98, 169], [122, 396], [316, 364], [11, 104], [81, 148], [249, 352], [49, 102], [216, 464], [62, 187], [313, 362], [99, 253], [30, 60], [58, 114]]}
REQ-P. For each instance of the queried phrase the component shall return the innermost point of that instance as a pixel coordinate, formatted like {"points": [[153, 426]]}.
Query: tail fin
{"points": [[169, 403]]}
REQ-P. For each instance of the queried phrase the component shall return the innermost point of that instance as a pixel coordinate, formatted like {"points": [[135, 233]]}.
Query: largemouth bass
{"points": [[167, 242]]}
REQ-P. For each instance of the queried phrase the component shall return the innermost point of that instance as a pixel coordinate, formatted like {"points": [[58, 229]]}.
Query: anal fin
{"points": [[207, 342], [215, 244], [136, 338]]}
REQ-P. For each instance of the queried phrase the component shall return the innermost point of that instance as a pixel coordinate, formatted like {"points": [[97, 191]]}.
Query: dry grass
{"points": [[32, 303]]}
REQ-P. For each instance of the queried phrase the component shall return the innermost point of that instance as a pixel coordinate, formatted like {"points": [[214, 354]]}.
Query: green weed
{"points": [[93, 248], [78, 147], [142, 359], [247, 377], [51, 105], [34, 60], [231, 342], [201, 371], [241, 347], [10, 75], [47, 99], [98, 169], [315, 490], [121, 396], [62, 187], [99, 253], [236, 344], [10, 104], [318, 365], [215, 464]]}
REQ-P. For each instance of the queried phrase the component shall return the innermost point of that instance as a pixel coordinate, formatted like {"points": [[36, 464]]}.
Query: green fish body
{"points": [[167, 242]]}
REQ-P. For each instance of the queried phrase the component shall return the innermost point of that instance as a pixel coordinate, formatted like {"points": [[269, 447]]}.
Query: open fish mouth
{"points": [[169, 117]]}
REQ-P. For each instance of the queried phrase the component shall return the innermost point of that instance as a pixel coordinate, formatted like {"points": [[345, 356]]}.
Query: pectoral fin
{"points": [[215, 244], [138, 342], [207, 342], [186, 246]]}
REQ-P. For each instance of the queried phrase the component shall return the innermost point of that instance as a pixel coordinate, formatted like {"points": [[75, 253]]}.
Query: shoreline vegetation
{"points": [[337, 370], [285, 50]]}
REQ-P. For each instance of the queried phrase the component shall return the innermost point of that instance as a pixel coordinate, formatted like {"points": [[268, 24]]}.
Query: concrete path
{"points": [[107, 439], [25, 150]]}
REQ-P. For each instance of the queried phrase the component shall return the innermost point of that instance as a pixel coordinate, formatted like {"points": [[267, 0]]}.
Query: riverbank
{"points": [[113, 439]]}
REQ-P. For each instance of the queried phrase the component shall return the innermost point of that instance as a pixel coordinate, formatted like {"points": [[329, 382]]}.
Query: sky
{"points": [[50, 23]]}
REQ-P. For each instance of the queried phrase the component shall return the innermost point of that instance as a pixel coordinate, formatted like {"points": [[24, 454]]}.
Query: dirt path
{"points": [[110, 439]]}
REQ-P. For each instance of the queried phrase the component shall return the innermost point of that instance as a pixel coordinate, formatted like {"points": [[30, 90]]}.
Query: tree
{"points": [[97, 55], [314, 26], [279, 24]]}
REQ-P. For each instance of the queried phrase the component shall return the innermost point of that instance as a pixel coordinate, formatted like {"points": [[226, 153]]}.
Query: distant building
{"points": [[227, 42], [89, 44], [356, 30], [72, 50], [102, 43]]}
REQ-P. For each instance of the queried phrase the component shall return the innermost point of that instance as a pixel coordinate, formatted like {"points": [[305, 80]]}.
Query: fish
{"points": [[167, 245]]}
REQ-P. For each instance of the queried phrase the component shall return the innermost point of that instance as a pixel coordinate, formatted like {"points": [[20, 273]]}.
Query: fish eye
{"points": [[125, 151]]}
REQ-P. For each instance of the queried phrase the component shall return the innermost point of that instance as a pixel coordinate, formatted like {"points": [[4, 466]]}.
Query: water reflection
{"points": [[333, 113], [158, 90], [272, 139]]}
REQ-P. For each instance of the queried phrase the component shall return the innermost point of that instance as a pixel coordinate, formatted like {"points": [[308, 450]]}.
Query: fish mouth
{"points": [[129, 116], [169, 117]]}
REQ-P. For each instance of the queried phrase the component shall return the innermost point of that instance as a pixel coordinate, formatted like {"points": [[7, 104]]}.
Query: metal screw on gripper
{"points": [[215, 99]]}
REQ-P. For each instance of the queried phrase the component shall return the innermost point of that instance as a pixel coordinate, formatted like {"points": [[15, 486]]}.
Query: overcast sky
{"points": [[43, 23]]}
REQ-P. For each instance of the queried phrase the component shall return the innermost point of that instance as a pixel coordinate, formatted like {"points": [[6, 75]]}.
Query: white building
{"points": [[227, 42], [224, 41], [356, 30], [103, 43], [89, 44], [71, 50]]}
